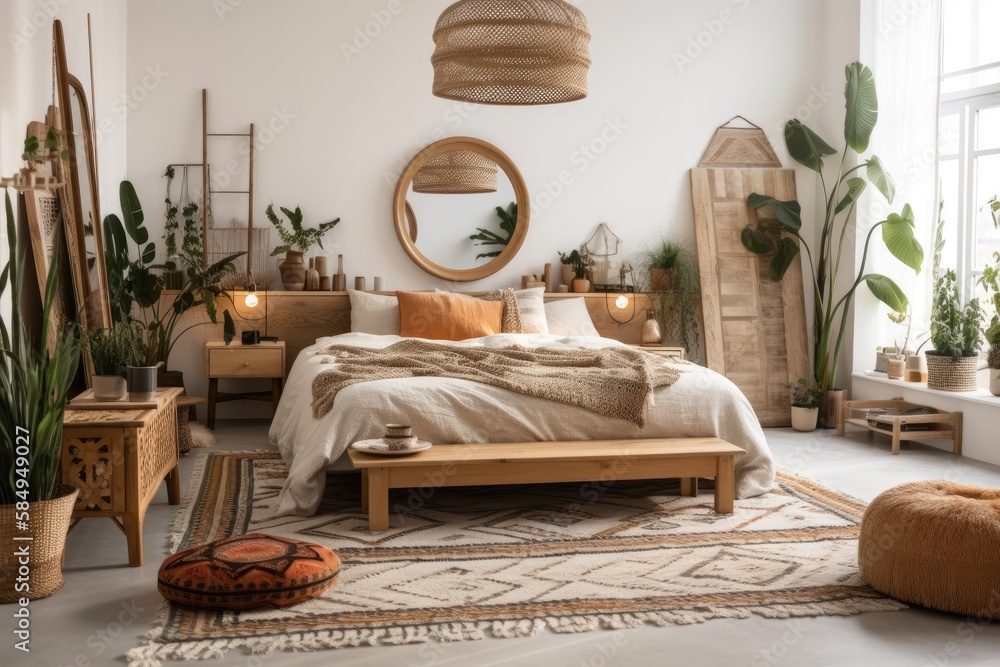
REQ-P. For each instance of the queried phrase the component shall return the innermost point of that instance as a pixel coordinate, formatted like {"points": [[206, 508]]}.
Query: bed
{"points": [[444, 411]]}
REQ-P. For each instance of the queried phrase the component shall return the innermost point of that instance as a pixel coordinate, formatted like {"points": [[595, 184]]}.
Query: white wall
{"points": [[665, 75], [26, 77]]}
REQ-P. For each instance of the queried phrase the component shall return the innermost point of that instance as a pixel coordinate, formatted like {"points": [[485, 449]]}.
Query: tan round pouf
{"points": [[935, 544]]}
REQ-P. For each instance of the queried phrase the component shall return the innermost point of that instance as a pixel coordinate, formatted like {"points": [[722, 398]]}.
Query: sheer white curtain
{"points": [[902, 47]]}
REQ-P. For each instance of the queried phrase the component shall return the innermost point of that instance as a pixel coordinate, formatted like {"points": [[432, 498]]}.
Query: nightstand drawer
{"points": [[237, 362], [673, 352]]}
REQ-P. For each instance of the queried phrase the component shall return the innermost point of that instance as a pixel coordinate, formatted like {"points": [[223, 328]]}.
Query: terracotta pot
{"points": [[995, 381], [109, 387], [804, 419], [47, 529], [293, 271], [833, 399], [916, 368], [663, 280], [581, 285], [894, 369]]}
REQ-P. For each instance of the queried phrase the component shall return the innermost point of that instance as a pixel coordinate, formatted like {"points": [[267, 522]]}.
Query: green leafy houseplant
{"points": [[672, 266], [990, 282], [805, 394], [298, 238], [954, 330], [34, 388], [138, 281], [781, 221], [113, 349], [508, 222], [579, 261]]}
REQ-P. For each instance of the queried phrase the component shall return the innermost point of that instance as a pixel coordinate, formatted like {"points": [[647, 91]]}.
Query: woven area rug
{"points": [[511, 561]]}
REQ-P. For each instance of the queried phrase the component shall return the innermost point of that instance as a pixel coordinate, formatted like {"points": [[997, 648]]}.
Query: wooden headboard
{"points": [[299, 318]]}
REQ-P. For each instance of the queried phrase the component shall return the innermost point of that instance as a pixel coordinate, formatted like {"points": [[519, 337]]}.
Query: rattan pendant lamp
{"points": [[514, 52], [456, 173]]}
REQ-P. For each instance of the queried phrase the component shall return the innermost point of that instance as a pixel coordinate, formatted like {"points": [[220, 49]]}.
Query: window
{"points": [[969, 159]]}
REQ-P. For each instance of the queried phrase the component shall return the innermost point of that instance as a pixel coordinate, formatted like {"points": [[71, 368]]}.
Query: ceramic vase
{"points": [[109, 387], [581, 285], [566, 274], [312, 276], [293, 271], [995, 381], [916, 368], [651, 334]]}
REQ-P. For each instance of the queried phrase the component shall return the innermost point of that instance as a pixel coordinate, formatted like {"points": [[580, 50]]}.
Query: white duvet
{"points": [[444, 411]]}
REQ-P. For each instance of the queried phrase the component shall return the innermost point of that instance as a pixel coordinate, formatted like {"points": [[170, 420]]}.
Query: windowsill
{"points": [[981, 396]]}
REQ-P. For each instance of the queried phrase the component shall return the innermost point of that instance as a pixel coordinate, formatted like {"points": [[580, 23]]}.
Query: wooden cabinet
{"points": [[235, 361], [117, 455], [895, 419]]}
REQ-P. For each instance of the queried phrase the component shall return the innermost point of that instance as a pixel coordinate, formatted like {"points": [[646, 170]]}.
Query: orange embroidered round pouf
{"points": [[935, 544], [248, 572]]}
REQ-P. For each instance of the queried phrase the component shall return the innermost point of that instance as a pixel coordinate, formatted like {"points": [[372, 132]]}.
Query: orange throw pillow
{"points": [[447, 316], [248, 572]]}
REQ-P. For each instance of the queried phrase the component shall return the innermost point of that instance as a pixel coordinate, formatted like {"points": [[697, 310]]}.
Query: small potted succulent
{"points": [[955, 334], [806, 399], [295, 242], [579, 261]]}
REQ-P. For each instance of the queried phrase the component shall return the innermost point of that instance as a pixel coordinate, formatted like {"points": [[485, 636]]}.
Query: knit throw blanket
{"points": [[614, 382]]}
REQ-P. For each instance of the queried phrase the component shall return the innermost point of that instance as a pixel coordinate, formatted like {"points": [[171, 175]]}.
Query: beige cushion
{"points": [[569, 317], [531, 304], [374, 313], [935, 544]]}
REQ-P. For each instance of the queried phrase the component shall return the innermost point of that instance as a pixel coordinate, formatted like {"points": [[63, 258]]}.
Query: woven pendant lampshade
{"points": [[456, 173], [517, 52]]}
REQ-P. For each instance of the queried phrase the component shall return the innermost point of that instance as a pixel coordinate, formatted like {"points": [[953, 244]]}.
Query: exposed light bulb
{"points": [[621, 302], [251, 300]]}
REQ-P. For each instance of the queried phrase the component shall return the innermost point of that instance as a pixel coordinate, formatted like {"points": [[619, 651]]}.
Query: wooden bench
{"points": [[547, 462]]}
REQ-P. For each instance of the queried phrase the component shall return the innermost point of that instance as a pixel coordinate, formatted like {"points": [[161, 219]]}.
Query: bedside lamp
{"points": [[251, 301], [622, 301]]}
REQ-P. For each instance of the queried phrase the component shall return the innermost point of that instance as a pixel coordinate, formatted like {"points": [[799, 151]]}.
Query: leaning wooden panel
{"points": [[755, 331]]}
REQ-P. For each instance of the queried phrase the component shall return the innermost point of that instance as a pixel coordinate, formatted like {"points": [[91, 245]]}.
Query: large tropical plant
{"points": [[34, 386], [779, 225], [141, 282]]}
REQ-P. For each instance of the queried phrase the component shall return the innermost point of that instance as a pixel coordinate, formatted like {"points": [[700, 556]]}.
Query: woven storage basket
{"points": [[949, 374], [48, 524], [521, 52]]}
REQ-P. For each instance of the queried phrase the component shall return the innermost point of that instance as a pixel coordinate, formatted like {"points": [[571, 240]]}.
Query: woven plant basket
{"points": [[949, 374], [457, 173], [521, 52], [48, 523]]}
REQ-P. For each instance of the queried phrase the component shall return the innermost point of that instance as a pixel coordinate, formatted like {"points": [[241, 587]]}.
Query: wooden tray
{"points": [[86, 401]]}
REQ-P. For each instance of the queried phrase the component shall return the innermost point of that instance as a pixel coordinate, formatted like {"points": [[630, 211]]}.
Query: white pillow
{"points": [[531, 303], [374, 313], [569, 317]]}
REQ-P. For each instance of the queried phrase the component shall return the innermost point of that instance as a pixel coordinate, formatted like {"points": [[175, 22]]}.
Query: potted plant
{"points": [[671, 266], [806, 399], [295, 242], [777, 231], [140, 282], [955, 331], [111, 351], [990, 282], [579, 261], [34, 387]]}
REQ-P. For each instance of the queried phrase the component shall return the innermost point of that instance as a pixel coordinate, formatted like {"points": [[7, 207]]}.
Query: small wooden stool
{"points": [[185, 412]]}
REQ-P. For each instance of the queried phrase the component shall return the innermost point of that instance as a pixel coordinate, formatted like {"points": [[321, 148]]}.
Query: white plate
{"points": [[379, 448]]}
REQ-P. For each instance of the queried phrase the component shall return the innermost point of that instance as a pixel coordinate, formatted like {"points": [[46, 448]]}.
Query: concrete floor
{"points": [[106, 606]]}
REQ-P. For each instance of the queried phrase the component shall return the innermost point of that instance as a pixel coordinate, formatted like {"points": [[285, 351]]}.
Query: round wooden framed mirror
{"points": [[447, 221]]}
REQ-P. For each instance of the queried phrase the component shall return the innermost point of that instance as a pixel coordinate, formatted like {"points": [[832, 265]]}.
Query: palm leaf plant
{"points": [[508, 223], [296, 237], [778, 228], [34, 387]]}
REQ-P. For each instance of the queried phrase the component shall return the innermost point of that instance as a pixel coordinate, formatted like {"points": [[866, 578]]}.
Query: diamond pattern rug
{"points": [[511, 561]]}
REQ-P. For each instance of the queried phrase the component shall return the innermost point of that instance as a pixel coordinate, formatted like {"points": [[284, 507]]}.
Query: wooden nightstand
{"points": [[265, 360], [675, 352]]}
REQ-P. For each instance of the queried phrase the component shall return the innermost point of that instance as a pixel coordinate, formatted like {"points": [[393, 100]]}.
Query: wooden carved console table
{"points": [[117, 455]]}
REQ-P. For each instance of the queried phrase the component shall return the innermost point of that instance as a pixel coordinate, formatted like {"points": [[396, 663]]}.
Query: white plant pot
{"points": [[804, 419], [109, 387], [995, 381]]}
